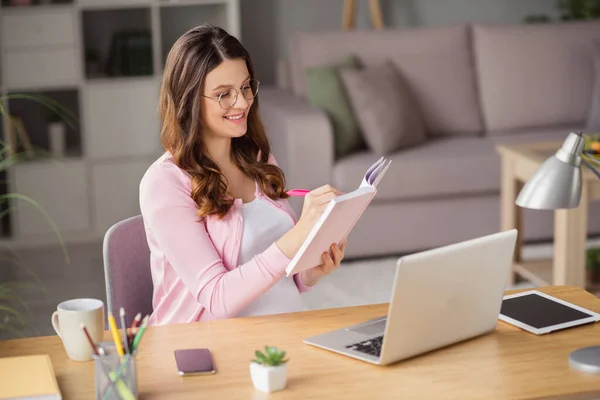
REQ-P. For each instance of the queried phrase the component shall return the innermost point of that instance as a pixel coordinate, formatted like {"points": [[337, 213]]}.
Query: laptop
{"points": [[439, 297]]}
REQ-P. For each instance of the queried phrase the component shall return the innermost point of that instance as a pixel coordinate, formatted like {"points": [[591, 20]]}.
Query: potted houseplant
{"points": [[57, 134], [569, 10], [11, 303], [593, 265], [269, 370]]}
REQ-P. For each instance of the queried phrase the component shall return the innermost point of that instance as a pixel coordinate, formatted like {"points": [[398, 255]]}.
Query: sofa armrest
{"points": [[301, 138]]}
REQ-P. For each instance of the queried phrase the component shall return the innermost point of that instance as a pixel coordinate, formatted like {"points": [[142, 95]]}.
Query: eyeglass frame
{"points": [[237, 92]]}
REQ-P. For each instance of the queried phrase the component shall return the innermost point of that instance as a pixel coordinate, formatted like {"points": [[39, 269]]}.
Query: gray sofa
{"points": [[477, 86]]}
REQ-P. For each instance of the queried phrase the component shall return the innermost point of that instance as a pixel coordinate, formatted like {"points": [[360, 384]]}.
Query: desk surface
{"points": [[506, 364]]}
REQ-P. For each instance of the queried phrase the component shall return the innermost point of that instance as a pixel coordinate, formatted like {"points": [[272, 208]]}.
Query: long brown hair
{"points": [[192, 57]]}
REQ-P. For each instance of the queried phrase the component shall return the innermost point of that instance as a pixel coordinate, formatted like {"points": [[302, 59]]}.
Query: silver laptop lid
{"points": [[446, 295]]}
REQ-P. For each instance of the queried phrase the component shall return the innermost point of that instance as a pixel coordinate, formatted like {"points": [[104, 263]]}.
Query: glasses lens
{"points": [[227, 99], [250, 89]]}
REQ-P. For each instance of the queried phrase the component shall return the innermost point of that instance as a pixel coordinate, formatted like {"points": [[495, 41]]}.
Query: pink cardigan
{"points": [[194, 263]]}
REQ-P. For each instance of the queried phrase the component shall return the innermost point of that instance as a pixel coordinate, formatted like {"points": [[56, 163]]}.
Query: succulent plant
{"points": [[271, 357]]}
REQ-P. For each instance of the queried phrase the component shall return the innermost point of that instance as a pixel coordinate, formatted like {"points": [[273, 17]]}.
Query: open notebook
{"points": [[338, 219]]}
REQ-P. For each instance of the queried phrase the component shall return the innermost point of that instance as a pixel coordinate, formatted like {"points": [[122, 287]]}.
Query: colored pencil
{"points": [[89, 338], [298, 192], [140, 333], [115, 334], [136, 321], [124, 327]]}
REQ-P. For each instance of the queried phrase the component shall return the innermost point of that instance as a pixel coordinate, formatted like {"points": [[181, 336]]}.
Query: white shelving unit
{"points": [[64, 50]]}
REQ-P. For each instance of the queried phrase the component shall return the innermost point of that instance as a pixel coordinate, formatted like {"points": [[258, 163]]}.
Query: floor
{"points": [[355, 283]]}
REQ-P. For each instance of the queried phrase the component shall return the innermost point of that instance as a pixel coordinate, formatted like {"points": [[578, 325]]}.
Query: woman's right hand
{"points": [[315, 202]]}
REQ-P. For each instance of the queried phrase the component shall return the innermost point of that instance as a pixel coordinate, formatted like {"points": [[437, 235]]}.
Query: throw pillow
{"points": [[386, 110], [326, 91], [593, 118]]}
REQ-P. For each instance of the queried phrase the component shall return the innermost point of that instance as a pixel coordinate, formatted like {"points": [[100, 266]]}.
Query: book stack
{"points": [[130, 54], [28, 377]]}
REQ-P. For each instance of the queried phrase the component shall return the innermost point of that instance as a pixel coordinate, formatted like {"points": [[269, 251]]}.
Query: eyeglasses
{"points": [[228, 98]]}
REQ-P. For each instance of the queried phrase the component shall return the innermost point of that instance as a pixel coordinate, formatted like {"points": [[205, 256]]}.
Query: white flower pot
{"points": [[267, 378], [57, 133]]}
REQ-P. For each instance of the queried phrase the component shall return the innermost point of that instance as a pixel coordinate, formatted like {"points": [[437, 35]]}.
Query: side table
{"points": [[519, 163]]}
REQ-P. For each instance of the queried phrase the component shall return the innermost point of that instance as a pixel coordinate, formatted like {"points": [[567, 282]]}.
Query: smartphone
{"points": [[194, 362]]}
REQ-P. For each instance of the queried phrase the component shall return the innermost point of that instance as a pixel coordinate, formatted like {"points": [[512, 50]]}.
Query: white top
{"points": [[263, 225]]}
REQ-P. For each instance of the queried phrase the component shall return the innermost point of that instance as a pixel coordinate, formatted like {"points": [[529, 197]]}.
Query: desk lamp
{"points": [[555, 185]]}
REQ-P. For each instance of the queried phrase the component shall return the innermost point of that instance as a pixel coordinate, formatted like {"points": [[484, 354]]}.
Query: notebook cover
{"points": [[28, 377], [333, 227]]}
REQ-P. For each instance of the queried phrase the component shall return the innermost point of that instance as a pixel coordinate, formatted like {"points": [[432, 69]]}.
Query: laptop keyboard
{"points": [[371, 346]]}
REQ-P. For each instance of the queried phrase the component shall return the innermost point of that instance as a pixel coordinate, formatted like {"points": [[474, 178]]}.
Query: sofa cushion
{"points": [[437, 64], [441, 167], [535, 75], [384, 107], [445, 166], [326, 90]]}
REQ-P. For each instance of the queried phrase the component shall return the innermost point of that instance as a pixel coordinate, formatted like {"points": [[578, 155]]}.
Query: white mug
{"points": [[67, 322]]}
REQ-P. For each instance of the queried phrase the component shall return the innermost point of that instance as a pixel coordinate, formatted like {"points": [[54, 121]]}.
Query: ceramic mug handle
{"points": [[55, 324]]}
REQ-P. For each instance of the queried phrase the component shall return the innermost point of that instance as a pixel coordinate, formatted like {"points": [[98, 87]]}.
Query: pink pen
{"points": [[297, 192]]}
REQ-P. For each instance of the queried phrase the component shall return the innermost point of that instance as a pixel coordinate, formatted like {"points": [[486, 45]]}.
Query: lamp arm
{"points": [[590, 157], [591, 168]]}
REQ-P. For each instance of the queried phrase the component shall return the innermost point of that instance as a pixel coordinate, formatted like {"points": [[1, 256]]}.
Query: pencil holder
{"points": [[115, 376]]}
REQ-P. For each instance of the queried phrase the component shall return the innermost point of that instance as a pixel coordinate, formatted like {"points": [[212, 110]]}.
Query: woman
{"points": [[219, 227]]}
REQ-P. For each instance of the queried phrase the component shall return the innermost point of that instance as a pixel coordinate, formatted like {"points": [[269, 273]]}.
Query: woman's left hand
{"points": [[331, 262]]}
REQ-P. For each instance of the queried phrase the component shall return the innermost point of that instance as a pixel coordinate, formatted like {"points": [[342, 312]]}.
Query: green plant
{"points": [[591, 144], [578, 9], [271, 357], [570, 10], [592, 257], [12, 306]]}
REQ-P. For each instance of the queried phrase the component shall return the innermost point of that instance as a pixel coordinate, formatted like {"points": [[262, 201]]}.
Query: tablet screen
{"points": [[539, 312]]}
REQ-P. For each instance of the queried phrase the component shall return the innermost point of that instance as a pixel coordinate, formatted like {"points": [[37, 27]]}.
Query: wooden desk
{"points": [[507, 364]]}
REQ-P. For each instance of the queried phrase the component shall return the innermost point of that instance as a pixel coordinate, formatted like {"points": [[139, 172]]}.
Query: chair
{"points": [[127, 268]]}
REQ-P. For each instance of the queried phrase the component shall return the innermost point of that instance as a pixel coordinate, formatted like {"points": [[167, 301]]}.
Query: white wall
{"points": [[267, 25]]}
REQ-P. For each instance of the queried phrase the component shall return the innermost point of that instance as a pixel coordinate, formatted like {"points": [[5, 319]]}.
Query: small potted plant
{"points": [[593, 265], [269, 370]]}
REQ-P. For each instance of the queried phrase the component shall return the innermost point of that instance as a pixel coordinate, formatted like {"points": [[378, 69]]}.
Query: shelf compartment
{"points": [[110, 130], [37, 121], [178, 18], [117, 42], [539, 272], [184, 3], [39, 28], [35, 68], [112, 4], [25, 5], [60, 187], [5, 222]]}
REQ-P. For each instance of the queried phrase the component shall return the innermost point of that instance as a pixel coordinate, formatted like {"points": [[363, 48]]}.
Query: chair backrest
{"points": [[127, 268]]}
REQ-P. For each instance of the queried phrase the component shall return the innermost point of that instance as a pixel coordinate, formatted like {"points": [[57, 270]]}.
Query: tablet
{"points": [[541, 313]]}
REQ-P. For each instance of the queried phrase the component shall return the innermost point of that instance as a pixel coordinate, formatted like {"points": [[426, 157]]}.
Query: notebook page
{"points": [[382, 173], [375, 172], [368, 179]]}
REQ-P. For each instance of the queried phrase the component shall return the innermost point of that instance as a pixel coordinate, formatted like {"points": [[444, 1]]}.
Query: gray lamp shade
{"points": [[554, 185], [557, 183]]}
